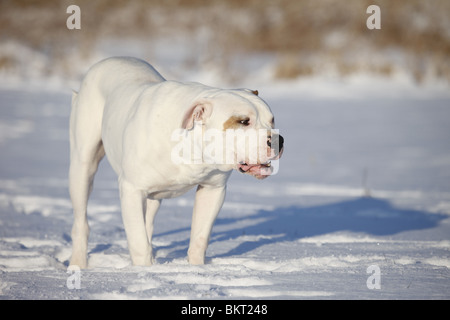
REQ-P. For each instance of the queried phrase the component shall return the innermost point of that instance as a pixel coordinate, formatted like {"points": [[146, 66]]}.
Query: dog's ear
{"points": [[200, 111], [255, 92]]}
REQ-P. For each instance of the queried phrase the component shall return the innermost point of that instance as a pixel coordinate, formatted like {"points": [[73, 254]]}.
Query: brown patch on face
{"points": [[236, 122]]}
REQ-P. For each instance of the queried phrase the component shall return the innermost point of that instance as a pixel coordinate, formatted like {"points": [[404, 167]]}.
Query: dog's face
{"points": [[247, 140]]}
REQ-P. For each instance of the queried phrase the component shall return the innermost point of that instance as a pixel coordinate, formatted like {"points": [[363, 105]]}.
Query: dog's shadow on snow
{"points": [[363, 215]]}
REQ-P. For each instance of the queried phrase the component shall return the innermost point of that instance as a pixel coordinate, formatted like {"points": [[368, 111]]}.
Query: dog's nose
{"points": [[280, 142]]}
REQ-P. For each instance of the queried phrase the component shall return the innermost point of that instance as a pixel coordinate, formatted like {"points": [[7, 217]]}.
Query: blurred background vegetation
{"points": [[303, 37]]}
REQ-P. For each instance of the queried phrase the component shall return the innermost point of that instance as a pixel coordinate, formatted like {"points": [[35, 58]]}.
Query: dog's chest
{"points": [[168, 192]]}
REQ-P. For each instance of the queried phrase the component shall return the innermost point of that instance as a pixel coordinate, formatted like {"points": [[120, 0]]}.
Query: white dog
{"points": [[128, 111]]}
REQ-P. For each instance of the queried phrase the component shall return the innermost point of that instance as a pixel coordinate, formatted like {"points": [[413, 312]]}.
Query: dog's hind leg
{"points": [[86, 151], [134, 202]]}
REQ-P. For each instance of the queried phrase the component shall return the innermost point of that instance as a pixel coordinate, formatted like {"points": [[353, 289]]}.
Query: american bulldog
{"points": [[128, 111]]}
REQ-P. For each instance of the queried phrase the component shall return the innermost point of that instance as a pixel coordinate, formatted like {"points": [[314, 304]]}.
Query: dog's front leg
{"points": [[133, 203], [208, 202], [152, 209]]}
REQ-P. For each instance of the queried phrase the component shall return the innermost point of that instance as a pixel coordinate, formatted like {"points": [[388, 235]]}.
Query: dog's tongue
{"points": [[245, 167], [257, 170]]}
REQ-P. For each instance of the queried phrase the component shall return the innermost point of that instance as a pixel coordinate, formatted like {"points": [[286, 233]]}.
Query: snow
{"points": [[364, 180]]}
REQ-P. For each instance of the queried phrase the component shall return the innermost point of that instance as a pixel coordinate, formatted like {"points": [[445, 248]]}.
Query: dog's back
{"points": [[102, 79]]}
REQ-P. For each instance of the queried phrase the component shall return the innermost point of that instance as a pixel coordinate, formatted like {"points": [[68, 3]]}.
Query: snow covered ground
{"points": [[364, 181]]}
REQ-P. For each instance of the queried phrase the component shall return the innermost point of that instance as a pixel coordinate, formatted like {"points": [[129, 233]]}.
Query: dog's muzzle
{"points": [[275, 145]]}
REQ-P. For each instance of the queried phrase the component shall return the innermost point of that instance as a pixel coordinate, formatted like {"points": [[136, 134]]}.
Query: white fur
{"points": [[128, 111]]}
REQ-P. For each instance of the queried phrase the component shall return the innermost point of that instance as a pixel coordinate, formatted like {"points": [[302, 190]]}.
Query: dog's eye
{"points": [[245, 122]]}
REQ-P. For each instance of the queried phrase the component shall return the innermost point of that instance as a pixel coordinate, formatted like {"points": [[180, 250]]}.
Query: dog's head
{"points": [[238, 130]]}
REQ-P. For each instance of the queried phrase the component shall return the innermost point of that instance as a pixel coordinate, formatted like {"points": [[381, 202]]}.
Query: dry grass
{"points": [[306, 35]]}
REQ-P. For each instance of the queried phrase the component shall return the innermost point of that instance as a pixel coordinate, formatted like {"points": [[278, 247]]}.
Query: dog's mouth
{"points": [[263, 170], [259, 171]]}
